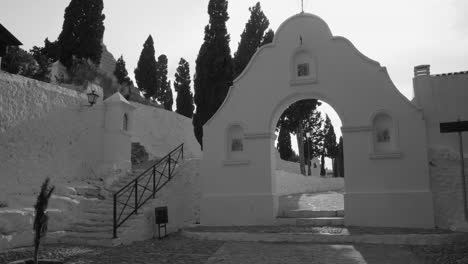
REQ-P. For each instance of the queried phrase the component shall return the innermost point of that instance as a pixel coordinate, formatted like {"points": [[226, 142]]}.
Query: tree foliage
{"points": [[284, 144], [251, 38], [268, 38], [330, 146], [19, 61], [146, 71], [295, 118], [314, 143], [214, 69], [82, 31], [43, 61], [330, 149], [121, 72], [184, 99], [340, 159], [163, 93]]}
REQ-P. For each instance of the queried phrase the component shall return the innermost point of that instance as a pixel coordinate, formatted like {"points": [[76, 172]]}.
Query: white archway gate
{"points": [[386, 167]]}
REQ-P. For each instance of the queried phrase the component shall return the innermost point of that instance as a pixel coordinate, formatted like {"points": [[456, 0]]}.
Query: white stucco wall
{"points": [[160, 131], [381, 190], [50, 131], [444, 99]]}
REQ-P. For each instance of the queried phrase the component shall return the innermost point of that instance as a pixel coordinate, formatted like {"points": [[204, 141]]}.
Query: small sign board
{"points": [[451, 127]]}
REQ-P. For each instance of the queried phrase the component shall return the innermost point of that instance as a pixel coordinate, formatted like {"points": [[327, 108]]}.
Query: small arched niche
{"points": [[125, 122], [303, 67], [384, 136], [235, 142]]}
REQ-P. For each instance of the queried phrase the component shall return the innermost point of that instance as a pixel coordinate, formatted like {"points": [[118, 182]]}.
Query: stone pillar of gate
{"points": [[243, 192], [116, 153]]}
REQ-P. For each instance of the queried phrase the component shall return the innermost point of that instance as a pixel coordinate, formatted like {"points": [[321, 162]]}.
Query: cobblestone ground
{"points": [[326, 201], [180, 250]]}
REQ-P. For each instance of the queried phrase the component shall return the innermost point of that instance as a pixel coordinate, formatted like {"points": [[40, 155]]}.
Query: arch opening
{"points": [[318, 185]]}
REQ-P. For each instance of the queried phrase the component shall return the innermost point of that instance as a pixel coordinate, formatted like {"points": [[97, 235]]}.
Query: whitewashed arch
{"points": [[382, 189]]}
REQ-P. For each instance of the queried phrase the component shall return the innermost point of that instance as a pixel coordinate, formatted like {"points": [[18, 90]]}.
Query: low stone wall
{"points": [[23, 99], [446, 186], [290, 183]]}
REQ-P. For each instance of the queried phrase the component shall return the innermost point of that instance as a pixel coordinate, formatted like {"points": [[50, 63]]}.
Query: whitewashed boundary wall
{"points": [[444, 99], [160, 131]]}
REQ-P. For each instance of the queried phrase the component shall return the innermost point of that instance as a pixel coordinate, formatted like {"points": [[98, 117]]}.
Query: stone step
{"points": [[104, 210], [321, 221], [96, 216], [336, 236], [310, 214], [90, 235], [90, 229], [73, 240]]}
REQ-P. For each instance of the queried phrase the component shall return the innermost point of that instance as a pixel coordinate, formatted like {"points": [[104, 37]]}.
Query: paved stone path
{"points": [[326, 201], [181, 250], [279, 253]]}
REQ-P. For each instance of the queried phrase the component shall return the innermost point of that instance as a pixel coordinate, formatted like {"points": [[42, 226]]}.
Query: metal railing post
{"points": [[154, 182], [136, 196], [182, 150], [115, 217]]}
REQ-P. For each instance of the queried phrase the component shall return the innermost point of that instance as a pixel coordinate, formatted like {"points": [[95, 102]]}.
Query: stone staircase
{"points": [[311, 218], [94, 225]]}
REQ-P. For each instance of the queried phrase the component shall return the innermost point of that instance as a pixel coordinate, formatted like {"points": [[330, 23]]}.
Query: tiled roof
{"points": [[451, 73], [7, 38]]}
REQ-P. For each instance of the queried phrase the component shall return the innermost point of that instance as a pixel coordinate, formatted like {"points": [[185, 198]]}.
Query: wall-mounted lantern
{"points": [[92, 98]]}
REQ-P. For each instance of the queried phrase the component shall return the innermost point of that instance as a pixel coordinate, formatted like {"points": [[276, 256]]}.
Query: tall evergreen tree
{"points": [[214, 69], [146, 71], [330, 146], [284, 144], [268, 38], [121, 72], [340, 158], [82, 31], [164, 93], [184, 99], [295, 119], [168, 99], [251, 38]]}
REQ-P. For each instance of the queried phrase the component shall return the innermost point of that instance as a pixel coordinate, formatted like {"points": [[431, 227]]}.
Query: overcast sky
{"points": [[398, 33]]}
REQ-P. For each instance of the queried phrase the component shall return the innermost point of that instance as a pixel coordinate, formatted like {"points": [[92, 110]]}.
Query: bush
{"points": [[19, 61], [139, 154], [81, 72]]}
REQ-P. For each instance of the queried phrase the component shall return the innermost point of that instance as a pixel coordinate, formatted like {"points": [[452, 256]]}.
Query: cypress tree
{"points": [[340, 158], [295, 118], [168, 100], [121, 72], [82, 31], [329, 144], [284, 144], [251, 38], [214, 69], [184, 99], [164, 93], [146, 71], [268, 38]]}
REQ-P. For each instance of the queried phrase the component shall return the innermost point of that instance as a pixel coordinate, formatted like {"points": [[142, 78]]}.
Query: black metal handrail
{"points": [[144, 187]]}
